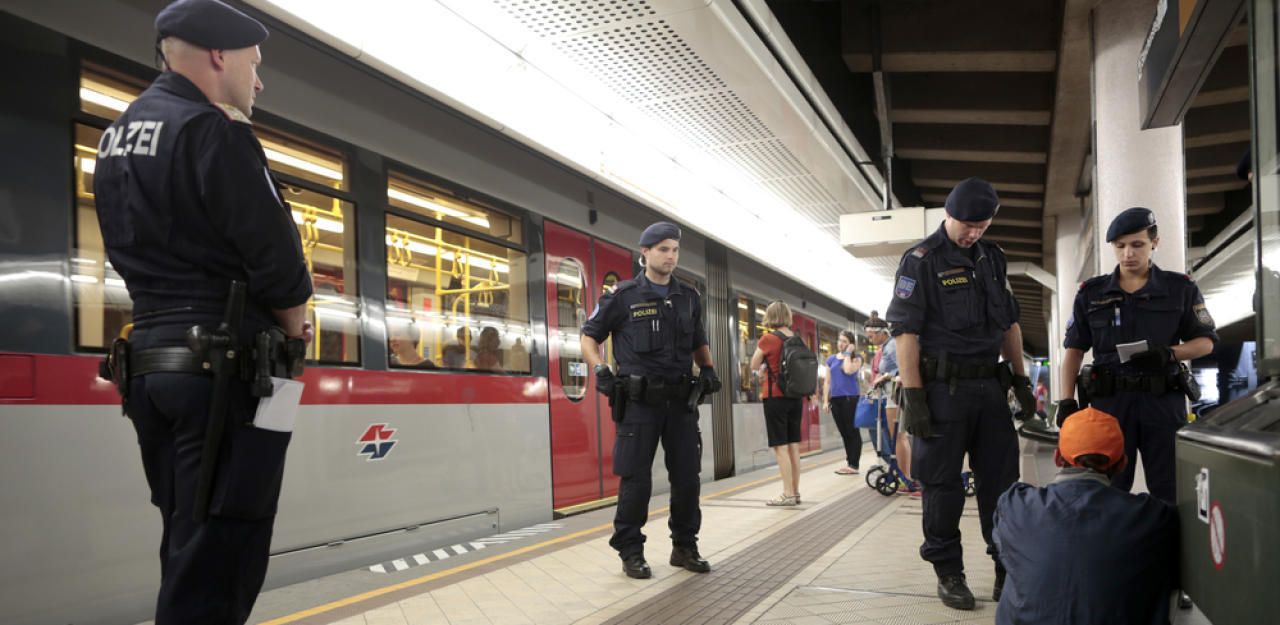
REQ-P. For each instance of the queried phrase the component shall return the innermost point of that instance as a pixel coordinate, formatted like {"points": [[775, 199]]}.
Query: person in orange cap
{"points": [[1080, 551]]}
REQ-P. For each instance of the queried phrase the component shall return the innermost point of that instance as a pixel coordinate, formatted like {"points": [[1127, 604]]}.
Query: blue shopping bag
{"points": [[865, 415]]}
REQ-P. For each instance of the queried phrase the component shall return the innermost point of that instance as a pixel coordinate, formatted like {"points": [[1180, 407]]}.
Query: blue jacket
{"points": [[1080, 552]]}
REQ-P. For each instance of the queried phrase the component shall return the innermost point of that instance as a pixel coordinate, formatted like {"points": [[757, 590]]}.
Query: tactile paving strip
{"points": [[745, 579]]}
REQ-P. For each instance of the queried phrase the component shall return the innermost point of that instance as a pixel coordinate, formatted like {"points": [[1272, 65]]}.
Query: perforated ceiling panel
{"points": [[635, 50]]}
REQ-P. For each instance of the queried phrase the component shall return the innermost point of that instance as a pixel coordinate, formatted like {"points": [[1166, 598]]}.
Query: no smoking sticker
{"points": [[1217, 536]]}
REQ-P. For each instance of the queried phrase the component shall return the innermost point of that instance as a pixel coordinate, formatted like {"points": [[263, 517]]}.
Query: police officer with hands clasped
{"points": [[953, 317], [193, 221], [1158, 319], [658, 335]]}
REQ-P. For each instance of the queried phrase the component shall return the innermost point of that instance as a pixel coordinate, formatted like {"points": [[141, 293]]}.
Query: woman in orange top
{"points": [[781, 414]]}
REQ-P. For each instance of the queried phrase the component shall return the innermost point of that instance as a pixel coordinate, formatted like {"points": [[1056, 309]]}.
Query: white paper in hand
{"points": [[278, 412], [1127, 350]]}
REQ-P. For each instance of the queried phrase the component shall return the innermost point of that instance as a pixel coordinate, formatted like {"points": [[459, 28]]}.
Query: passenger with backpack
{"points": [[790, 370]]}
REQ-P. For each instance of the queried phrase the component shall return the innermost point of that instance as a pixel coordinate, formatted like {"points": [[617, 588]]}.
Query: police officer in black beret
{"points": [[953, 317], [1164, 313], [187, 206], [658, 335]]}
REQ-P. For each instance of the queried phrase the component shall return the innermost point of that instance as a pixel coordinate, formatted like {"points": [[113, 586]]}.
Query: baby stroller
{"points": [[886, 477]]}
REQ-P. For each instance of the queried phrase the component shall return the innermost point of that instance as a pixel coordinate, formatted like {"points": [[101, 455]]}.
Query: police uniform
{"points": [[957, 301], [655, 332], [186, 205], [1146, 397]]}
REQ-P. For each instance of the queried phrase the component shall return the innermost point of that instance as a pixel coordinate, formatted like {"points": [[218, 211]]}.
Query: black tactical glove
{"points": [[1026, 400], [605, 380], [1066, 408], [1155, 358], [710, 381], [915, 413]]}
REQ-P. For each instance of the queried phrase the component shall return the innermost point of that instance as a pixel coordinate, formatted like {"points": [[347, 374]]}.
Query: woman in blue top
{"points": [[840, 396]]}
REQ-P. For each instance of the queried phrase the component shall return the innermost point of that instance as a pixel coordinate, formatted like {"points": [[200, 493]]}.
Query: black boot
{"points": [[954, 592], [1184, 600], [688, 559], [998, 589], [635, 566]]}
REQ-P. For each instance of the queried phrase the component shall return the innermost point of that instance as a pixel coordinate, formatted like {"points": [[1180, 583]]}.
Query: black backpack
{"points": [[798, 367]]}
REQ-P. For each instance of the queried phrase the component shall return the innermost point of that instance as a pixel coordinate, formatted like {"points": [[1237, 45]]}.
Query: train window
{"points": [[430, 201], [454, 302], [571, 313], [106, 95], [103, 308], [611, 280], [828, 337], [327, 229], [748, 386]]}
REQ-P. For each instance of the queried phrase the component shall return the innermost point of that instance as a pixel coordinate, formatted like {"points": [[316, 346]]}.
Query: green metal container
{"points": [[1229, 508]]}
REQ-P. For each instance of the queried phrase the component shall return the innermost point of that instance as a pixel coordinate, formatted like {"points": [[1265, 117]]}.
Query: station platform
{"points": [[846, 555]]}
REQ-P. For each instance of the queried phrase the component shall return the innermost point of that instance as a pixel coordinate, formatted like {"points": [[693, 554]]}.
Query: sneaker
{"points": [[955, 593], [784, 500]]}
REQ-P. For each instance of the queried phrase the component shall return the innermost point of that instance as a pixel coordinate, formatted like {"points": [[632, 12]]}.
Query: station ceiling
{"points": [[971, 91]]}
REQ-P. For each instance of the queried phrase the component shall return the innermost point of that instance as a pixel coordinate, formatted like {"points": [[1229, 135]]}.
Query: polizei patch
{"points": [[906, 286], [644, 310], [1202, 315]]}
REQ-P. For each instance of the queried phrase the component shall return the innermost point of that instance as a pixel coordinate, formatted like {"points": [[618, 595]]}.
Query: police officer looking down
{"points": [[953, 317], [658, 335], [1159, 313], [193, 222]]}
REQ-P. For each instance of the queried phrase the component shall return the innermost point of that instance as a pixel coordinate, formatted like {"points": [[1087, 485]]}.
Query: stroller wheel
{"points": [[886, 484], [970, 483], [873, 474]]}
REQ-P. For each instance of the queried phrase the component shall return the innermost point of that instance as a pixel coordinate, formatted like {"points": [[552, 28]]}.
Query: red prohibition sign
{"points": [[1217, 536]]}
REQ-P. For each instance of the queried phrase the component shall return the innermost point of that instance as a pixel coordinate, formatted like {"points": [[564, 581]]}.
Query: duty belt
{"points": [[167, 360], [655, 389], [934, 368], [1103, 382]]}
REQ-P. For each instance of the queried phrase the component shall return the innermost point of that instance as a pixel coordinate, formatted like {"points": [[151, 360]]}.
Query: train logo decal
{"points": [[376, 442]]}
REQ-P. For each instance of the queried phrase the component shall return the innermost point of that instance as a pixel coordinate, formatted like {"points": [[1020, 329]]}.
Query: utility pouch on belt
{"points": [[635, 387]]}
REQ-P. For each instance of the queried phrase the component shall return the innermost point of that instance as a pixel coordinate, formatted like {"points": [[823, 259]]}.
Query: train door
{"points": [[579, 268], [810, 421]]}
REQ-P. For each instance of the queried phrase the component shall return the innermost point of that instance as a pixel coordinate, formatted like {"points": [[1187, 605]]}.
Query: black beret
{"points": [[659, 232], [209, 24], [1245, 165], [974, 199], [1129, 221]]}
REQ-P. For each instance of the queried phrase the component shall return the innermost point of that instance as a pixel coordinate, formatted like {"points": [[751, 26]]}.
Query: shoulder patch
{"points": [[234, 114], [920, 251], [906, 286], [622, 286], [1203, 316]]}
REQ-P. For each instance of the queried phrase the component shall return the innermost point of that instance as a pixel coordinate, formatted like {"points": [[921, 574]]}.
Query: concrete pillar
{"points": [[1067, 257], [1134, 167]]}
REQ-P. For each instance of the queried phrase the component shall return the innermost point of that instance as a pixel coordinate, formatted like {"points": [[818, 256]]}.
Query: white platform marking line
{"points": [[441, 553], [458, 549], [421, 558], [400, 564]]}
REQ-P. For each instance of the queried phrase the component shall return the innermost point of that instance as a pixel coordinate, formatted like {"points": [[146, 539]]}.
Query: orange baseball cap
{"points": [[1091, 431]]}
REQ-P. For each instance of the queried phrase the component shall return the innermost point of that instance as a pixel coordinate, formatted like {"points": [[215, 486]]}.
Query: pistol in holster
{"points": [[1004, 376], [695, 394], [1188, 383], [275, 356], [114, 368], [1086, 385], [618, 399]]}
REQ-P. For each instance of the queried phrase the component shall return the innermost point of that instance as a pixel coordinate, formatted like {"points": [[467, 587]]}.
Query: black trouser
{"points": [[642, 427], [1150, 424], [975, 419], [210, 572], [842, 411]]}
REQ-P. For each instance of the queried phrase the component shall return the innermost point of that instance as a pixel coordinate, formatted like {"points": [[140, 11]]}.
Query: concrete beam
{"points": [[1216, 120], [994, 117], [999, 186], [1069, 137], [981, 143], [976, 156], [1215, 184], [1211, 170], [1212, 202], [1005, 200], [1215, 155], [991, 172], [1015, 25], [951, 61], [1219, 138]]}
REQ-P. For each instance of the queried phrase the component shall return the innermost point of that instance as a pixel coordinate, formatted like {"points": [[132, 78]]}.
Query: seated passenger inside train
{"points": [[405, 342], [1080, 551]]}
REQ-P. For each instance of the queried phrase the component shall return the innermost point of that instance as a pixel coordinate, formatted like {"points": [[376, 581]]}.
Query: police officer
{"points": [[953, 318], [658, 335], [187, 205], [1138, 301]]}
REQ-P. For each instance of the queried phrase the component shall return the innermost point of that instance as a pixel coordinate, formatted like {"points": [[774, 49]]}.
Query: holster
{"points": [[275, 355], [618, 400], [695, 394], [115, 368], [1187, 382], [1004, 376], [1082, 386]]}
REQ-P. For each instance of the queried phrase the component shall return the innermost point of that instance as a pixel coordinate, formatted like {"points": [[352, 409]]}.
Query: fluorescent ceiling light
{"points": [[102, 99], [297, 163], [328, 225], [88, 165], [423, 203]]}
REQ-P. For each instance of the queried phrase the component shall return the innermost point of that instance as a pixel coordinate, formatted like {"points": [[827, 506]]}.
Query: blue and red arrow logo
{"points": [[376, 442]]}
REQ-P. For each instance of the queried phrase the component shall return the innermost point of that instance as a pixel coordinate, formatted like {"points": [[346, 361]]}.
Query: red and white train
{"points": [[447, 397]]}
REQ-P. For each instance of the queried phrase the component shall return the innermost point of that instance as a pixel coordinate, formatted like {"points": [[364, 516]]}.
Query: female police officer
{"points": [[1137, 302]]}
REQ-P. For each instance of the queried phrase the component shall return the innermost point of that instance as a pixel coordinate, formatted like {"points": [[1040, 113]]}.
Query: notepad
{"points": [[277, 412], [1127, 350]]}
